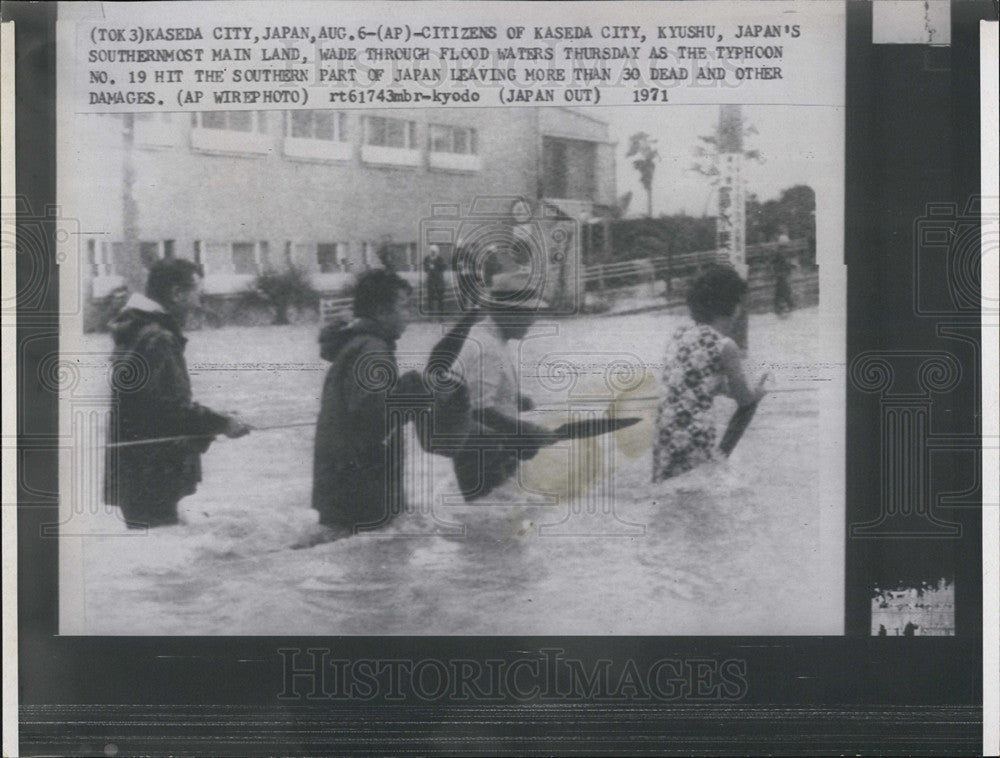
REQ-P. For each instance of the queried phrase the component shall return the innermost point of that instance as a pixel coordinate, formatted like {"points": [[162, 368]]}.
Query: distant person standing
{"points": [[148, 480], [434, 268], [781, 269], [357, 476]]}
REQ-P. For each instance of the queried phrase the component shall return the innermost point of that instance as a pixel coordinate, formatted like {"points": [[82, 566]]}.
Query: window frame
{"points": [[207, 253], [256, 140], [409, 131], [452, 130], [450, 159], [341, 132], [409, 155], [339, 148]]}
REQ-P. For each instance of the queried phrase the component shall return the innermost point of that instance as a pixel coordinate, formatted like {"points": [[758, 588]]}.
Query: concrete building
{"points": [[327, 191]]}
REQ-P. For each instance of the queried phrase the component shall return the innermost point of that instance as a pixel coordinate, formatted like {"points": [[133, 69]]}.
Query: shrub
{"points": [[282, 291]]}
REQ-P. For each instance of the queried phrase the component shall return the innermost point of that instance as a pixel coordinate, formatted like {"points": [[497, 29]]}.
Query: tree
{"points": [[793, 211], [642, 148], [730, 137], [281, 291], [798, 210]]}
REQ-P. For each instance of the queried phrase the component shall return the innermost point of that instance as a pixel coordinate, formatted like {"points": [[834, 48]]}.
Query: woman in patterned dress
{"points": [[701, 362]]}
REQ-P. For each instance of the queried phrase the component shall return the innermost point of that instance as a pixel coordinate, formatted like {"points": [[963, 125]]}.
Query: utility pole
{"points": [[129, 264], [731, 218]]}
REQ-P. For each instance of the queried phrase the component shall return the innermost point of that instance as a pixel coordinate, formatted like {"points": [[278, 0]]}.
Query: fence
{"points": [[669, 275], [665, 278], [332, 308]]}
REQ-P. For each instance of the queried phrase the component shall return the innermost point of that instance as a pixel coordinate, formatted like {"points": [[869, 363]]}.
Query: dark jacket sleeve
{"points": [[166, 396], [371, 374]]}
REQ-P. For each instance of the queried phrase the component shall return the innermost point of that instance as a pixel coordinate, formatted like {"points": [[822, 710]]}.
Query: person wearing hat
{"points": [[487, 364]]}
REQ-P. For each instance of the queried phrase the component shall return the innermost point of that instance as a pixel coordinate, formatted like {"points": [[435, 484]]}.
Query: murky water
{"points": [[728, 549]]}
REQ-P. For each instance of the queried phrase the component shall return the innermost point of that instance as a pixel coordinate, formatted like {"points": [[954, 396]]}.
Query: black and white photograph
{"points": [[461, 370], [499, 377]]}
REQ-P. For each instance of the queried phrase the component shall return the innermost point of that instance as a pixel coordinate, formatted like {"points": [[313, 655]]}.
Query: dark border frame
{"points": [[804, 695]]}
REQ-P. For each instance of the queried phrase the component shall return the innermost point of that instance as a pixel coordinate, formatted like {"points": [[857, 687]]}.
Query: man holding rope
{"points": [[151, 399]]}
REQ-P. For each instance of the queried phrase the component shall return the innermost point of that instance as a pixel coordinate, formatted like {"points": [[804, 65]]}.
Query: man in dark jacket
{"points": [[358, 460], [151, 398]]}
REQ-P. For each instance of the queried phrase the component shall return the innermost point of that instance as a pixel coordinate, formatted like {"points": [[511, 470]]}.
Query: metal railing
{"points": [[675, 270]]}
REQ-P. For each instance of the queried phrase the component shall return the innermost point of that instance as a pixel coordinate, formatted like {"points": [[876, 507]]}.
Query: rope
{"points": [[274, 427], [178, 438]]}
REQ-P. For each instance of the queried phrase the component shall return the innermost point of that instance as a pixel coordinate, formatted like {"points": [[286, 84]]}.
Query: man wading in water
{"points": [[356, 482], [147, 480], [487, 364]]}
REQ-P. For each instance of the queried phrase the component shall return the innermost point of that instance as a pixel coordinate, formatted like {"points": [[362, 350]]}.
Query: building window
{"points": [[100, 262], [317, 135], [460, 140], [453, 148], [331, 257], [569, 168], [232, 121], [397, 256], [330, 126], [368, 258], [230, 131], [390, 132], [225, 258], [244, 258], [215, 255], [150, 118], [99, 259], [390, 142]]}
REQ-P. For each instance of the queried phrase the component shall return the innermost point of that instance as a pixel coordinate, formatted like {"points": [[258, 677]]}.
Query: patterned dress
{"points": [[692, 376]]}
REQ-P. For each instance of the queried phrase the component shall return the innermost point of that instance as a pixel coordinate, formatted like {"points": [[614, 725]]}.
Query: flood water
{"points": [[732, 548]]}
